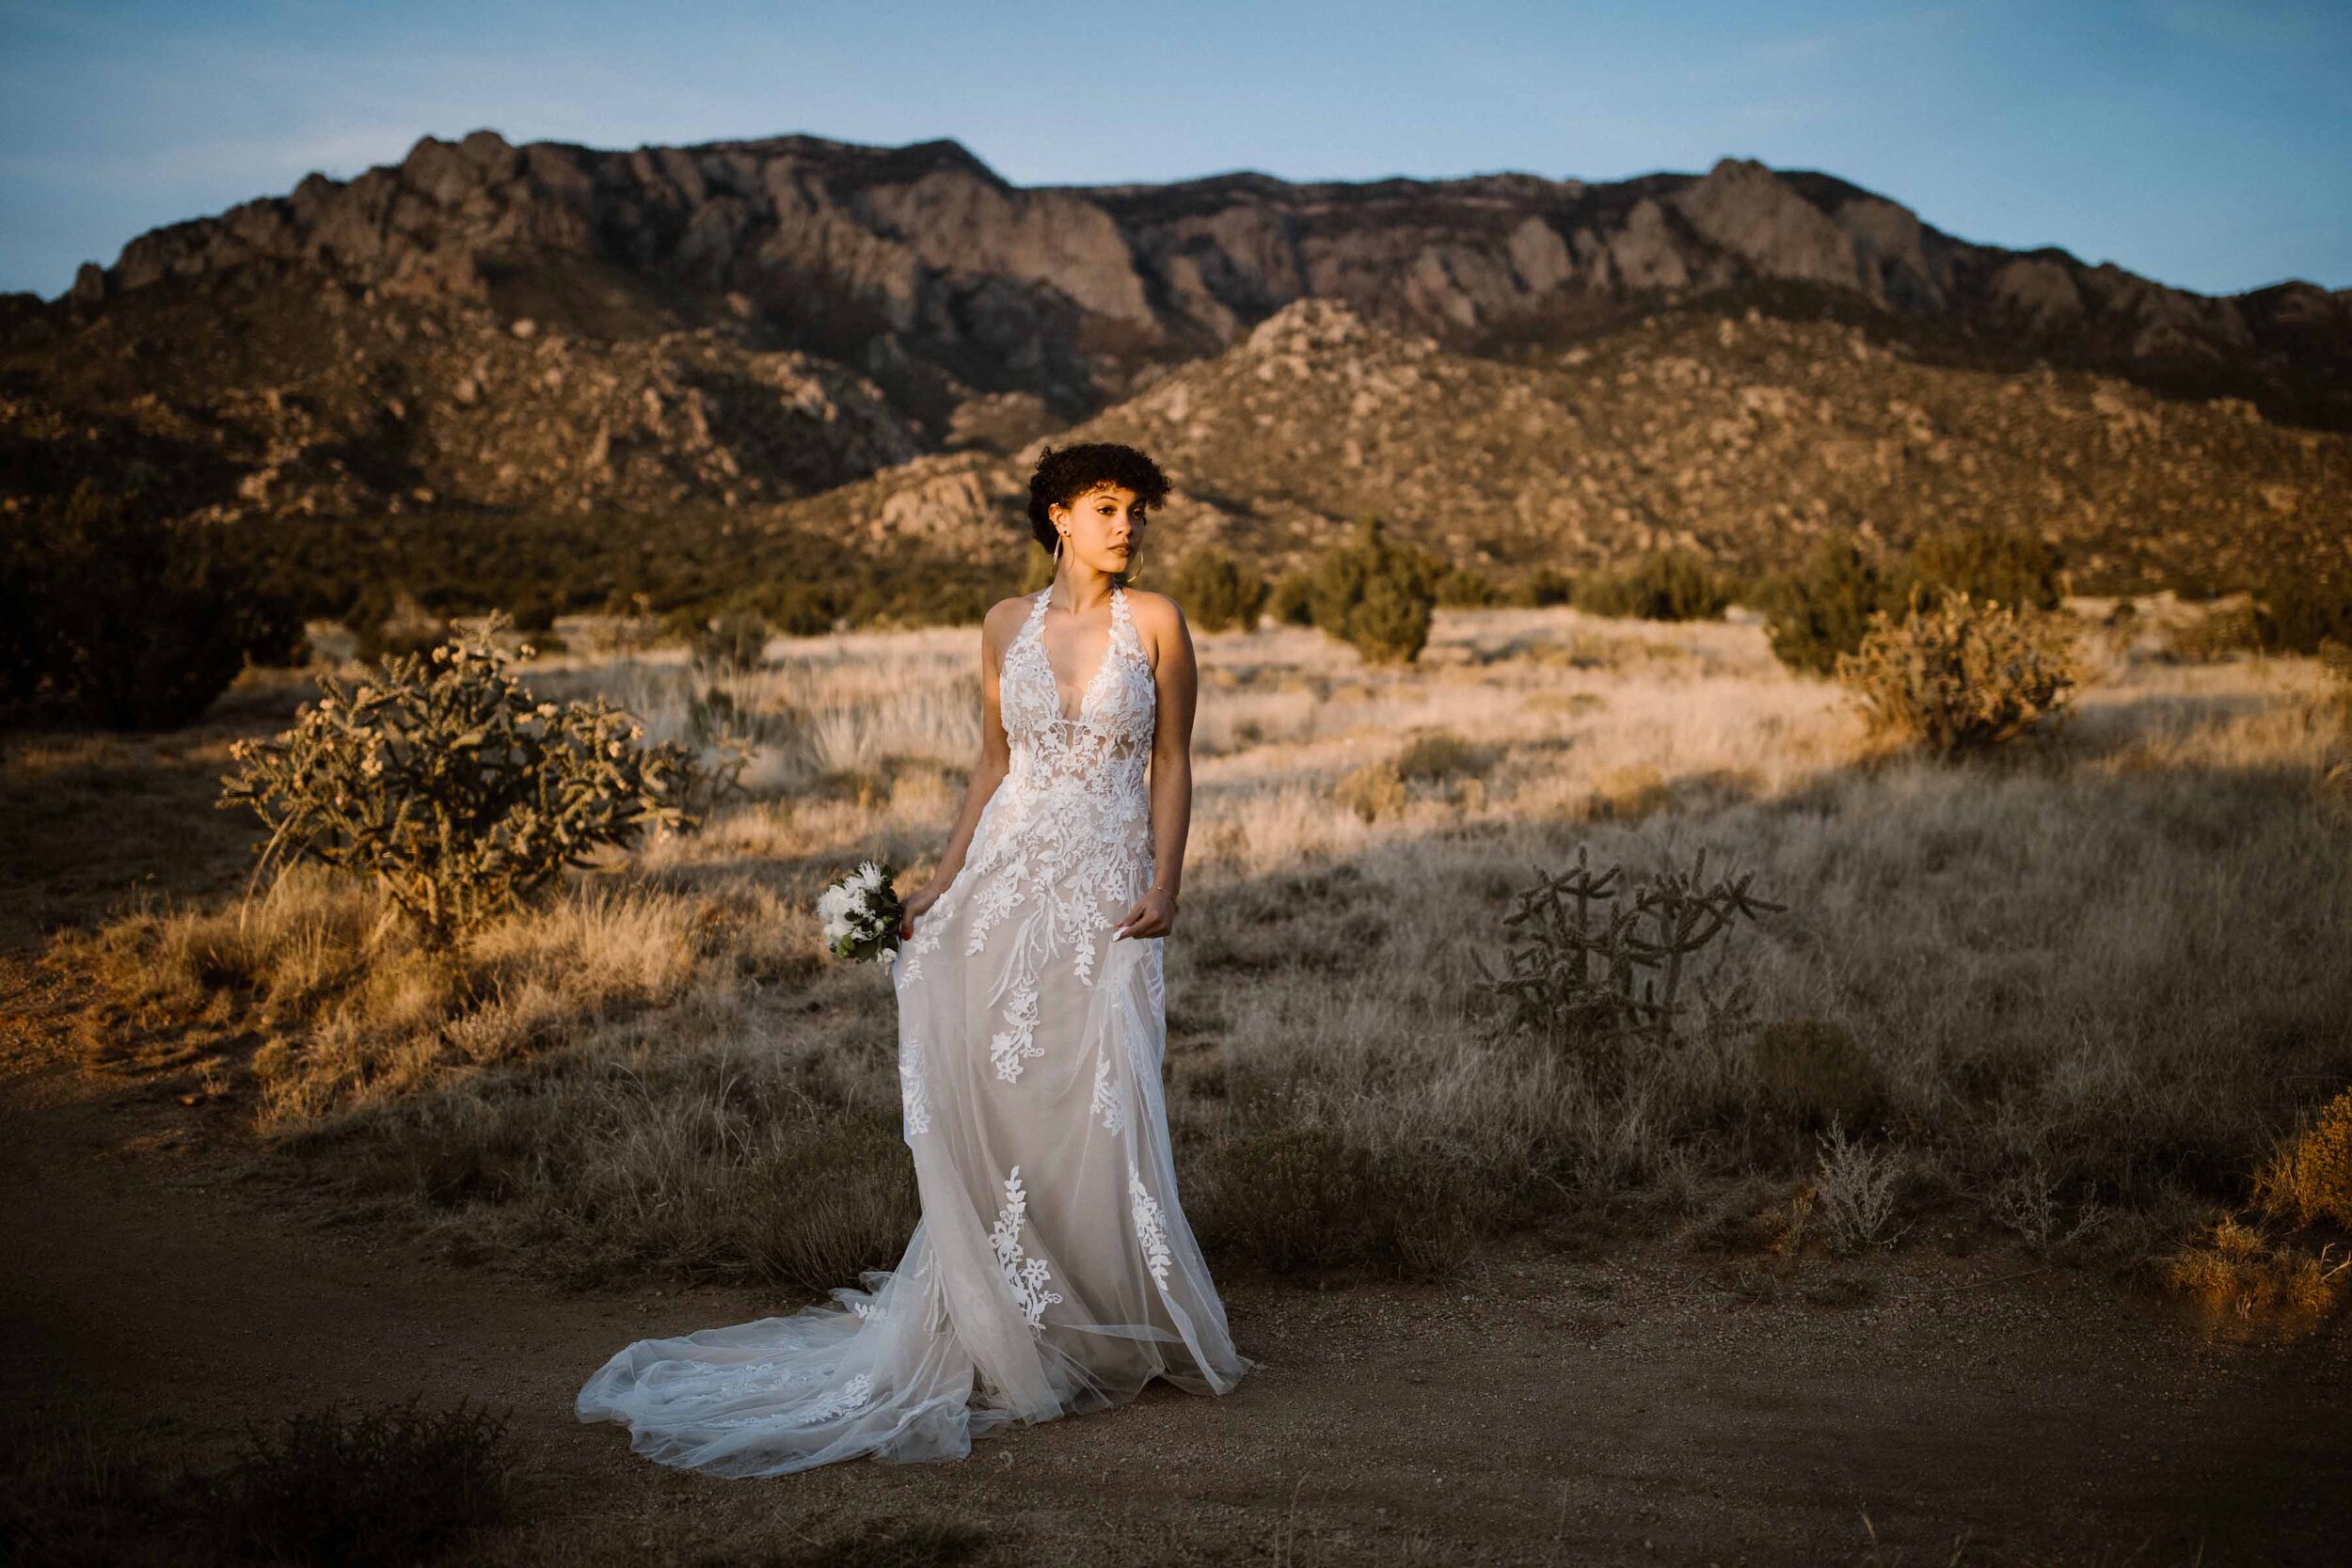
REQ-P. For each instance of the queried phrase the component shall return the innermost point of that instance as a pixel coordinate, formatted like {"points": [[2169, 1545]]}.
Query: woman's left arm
{"points": [[1176, 678]]}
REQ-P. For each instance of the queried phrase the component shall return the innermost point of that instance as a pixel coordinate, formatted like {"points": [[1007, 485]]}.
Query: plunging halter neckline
{"points": [[1103, 665]]}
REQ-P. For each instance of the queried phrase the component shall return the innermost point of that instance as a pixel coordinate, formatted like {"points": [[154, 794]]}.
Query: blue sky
{"points": [[2204, 143]]}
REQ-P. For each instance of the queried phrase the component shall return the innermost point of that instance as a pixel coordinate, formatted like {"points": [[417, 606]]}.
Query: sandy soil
{"points": [[1538, 1410]]}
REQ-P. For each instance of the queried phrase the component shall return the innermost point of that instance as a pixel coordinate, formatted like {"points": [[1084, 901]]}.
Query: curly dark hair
{"points": [[1065, 473]]}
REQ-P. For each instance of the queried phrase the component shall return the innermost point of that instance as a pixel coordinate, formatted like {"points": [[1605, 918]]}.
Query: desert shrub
{"points": [[1465, 588], [1376, 595], [1857, 1184], [1962, 675], [732, 642], [1544, 585], [2219, 632], [2300, 610], [1217, 590], [2244, 1280], [1372, 791], [1432, 756], [533, 611], [119, 617], [831, 1205], [1814, 1070], [1999, 565], [2028, 1202], [1823, 609], [1301, 1199], [1291, 601], [452, 787], [388, 621], [1596, 962], [391, 1485], [2309, 1177], [1663, 585]]}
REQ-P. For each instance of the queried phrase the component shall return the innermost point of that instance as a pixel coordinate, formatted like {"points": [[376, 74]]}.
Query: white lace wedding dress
{"points": [[1051, 1271]]}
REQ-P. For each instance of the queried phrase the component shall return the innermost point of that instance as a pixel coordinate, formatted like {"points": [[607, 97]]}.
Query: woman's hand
{"points": [[925, 897], [1152, 916]]}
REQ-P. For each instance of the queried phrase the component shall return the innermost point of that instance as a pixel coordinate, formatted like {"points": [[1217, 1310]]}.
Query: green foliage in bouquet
{"points": [[452, 786], [1376, 595], [862, 912], [1963, 676]]}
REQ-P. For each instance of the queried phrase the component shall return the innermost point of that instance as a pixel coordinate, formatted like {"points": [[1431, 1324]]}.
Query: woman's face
{"points": [[1101, 528]]}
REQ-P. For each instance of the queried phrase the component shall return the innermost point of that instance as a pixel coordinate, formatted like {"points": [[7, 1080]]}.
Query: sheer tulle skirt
{"points": [[1053, 1271]]}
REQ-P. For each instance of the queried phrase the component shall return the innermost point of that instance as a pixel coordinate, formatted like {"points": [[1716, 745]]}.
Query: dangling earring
{"points": [[1059, 537]]}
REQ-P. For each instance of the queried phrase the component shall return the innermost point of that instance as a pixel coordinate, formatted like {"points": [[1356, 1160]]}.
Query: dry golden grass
{"points": [[2100, 966], [2248, 1284]]}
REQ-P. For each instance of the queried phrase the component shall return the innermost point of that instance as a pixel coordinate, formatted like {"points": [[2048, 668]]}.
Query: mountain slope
{"points": [[1740, 436], [554, 329]]}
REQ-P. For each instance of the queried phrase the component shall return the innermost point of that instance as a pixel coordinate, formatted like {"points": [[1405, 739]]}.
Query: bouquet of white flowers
{"points": [[861, 912]]}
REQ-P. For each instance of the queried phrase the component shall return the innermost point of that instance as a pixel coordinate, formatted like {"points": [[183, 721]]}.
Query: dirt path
{"points": [[1537, 1411]]}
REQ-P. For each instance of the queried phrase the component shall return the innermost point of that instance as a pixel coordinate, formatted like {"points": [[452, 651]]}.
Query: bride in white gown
{"points": [[1051, 1271]]}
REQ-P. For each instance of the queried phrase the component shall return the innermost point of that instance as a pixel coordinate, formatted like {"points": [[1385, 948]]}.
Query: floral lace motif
{"points": [[1105, 1101], [1024, 1275], [1066, 837], [913, 1090], [761, 1377], [1150, 1226]]}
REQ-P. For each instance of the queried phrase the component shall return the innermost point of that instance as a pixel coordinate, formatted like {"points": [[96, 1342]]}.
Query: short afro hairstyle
{"points": [[1065, 473]]}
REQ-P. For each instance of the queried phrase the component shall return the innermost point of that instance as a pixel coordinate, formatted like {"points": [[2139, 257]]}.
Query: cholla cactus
{"points": [[452, 786], [1596, 965], [1964, 674]]}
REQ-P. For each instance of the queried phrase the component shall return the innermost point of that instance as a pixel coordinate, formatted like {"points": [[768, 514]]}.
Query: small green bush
{"points": [[838, 1201], [1372, 791], [734, 643], [1217, 590], [1542, 587], [2303, 610], [1814, 1070], [1823, 608], [1998, 565], [1432, 756], [1963, 676], [1376, 595], [381, 1488], [1304, 1199], [1466, 588], [1290, 603], [388, 621], [394, 1485], [452, 787], [114, 615], [1663, 585]]}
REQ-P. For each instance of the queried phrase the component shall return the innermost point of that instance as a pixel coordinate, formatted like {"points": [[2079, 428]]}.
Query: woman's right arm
{"points": [[995, 762]]}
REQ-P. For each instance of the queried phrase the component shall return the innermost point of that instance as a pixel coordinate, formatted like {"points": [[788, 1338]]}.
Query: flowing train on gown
{"points": [[1051, 1271]]}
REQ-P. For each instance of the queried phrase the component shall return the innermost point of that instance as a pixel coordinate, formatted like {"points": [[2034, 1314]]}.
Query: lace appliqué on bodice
{"points": [[1067, 835]]}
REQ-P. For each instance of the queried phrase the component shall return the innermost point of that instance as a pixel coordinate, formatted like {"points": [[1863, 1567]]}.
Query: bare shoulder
{"points": [[1158, 617], [1003, 619]]}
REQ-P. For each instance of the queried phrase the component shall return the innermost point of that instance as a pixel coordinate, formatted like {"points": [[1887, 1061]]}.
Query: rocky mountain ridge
{"points": [[551, 329]]}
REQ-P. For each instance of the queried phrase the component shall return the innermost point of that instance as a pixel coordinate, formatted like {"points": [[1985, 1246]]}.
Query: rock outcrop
{"points": [[563, 328]]}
